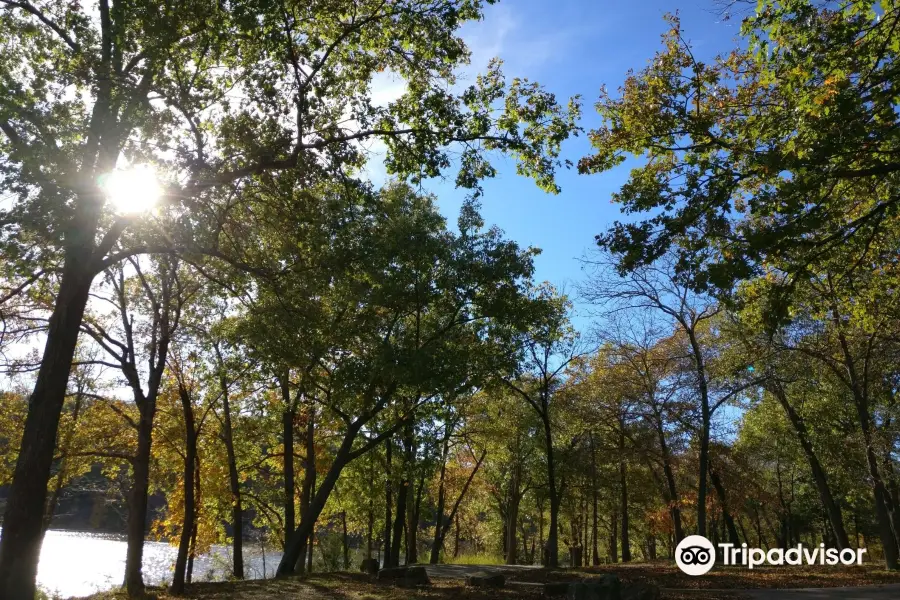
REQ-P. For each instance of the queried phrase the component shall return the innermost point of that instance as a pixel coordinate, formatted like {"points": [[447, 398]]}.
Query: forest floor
{"points": [[666, 575], [346, 586], [719, 584]]}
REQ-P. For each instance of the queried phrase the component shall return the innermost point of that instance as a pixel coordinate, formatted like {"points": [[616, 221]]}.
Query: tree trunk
{"points": [[137, 504], [553, 534], [706, 418], [190, 458], [454, 511], [198, 502], [595, 551], [885, 529], [388, 500], [726, 512], [614, 537], [344, 455], [623, 485], [404, 494], [370, 530], [20, 544], [345, 544], [674, 505], [287, 440], [439, 513], [309, 482], [512, 515], [237, 512], [456, 539], [311, 547], [412, 536], [399, 518]]}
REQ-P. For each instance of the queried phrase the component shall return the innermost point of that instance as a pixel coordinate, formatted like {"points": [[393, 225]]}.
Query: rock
{"points": [[640, 591], [409, 576], [488, 580], [369, 565], [575, 555], [591, 591], [607, 587], [555, 589], [611, 586], [391, 573], [416, 576]]}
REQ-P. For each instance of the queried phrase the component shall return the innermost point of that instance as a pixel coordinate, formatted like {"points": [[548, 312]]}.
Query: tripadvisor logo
{"points": [[696, 555]]}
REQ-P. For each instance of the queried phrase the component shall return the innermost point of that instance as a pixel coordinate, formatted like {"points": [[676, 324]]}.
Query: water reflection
{"points": [[78, 563]]}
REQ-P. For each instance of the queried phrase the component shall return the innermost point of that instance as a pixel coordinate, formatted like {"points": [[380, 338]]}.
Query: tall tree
{"points": [[659, 288], [147, 309], [547, 348]]}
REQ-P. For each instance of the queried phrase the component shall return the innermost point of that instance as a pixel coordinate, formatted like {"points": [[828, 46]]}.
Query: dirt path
{"points": [[874, 592], [879, 592]]}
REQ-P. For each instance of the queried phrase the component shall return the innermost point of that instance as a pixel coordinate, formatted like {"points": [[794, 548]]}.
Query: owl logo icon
{"points": [[695, 555]]}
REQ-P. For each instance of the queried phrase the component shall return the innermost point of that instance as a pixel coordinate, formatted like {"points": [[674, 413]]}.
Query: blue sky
{"points": [[573, 47]]}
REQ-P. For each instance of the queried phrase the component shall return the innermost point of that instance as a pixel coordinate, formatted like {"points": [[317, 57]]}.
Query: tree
{"points": [[395, 325], [147, 309], [148, 84], [784, 376], [547, 347], [659, 288], [781, 151]]}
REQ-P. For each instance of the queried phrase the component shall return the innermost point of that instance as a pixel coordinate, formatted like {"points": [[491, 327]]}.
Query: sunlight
{"points": [[132, 190]]}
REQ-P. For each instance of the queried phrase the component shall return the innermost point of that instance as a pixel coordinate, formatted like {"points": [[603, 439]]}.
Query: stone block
{"points": [[369, 565], [486, 580]]}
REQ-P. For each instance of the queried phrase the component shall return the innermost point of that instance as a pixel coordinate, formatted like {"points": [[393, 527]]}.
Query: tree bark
{"points": [[674, 505], [61, 473], [192, 554], [553, 533], [370, 530], [20, 544], [137, 503], [595, 551], [412, 536], [512, 515], [190, 457], [439, 513], [399, 518], [287, 440], [344, 542], [623, 485], [309, 483], [388, 501], [456, 539], [614, 537], [726, 512], [706, 418], [237, 512]]}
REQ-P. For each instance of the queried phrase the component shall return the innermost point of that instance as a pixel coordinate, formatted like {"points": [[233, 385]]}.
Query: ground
{"points": [[719, 584]]}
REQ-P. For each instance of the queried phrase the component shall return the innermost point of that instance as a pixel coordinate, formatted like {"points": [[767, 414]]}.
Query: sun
{"points": [[132, 190]]}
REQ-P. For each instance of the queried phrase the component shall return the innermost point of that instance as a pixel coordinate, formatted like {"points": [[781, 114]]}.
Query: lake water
{"points": [[79, 563]]}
